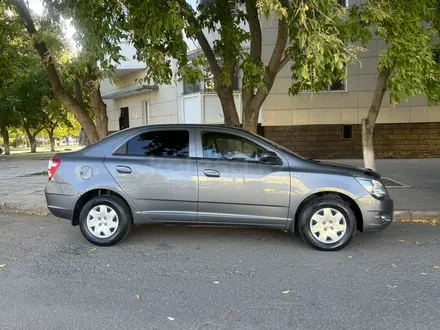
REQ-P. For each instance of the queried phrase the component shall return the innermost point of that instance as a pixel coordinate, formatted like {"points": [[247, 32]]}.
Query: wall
{"points": [[407, 140]]}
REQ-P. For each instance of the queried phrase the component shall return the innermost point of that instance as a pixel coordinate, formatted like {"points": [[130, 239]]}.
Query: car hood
{"points": [[345, 169]]}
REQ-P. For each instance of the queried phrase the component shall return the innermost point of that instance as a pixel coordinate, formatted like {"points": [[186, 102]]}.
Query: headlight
{"points": [[374, 187]]}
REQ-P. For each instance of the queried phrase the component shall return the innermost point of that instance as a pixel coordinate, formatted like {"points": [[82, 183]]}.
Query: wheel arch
{"points": [[350, 201], [90, 194]]}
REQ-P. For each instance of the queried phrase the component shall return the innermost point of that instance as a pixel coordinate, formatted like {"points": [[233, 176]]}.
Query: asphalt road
{"points": [[215, 278]]}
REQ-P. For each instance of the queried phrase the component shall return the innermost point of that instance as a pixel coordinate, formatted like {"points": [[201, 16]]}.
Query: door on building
{"points": [[234, 186], [124, 119]]}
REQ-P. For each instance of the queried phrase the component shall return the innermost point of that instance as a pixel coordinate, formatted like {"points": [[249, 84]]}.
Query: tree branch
{"points": [[284, 61], [254, 28], [201, 38], [280, 45]]}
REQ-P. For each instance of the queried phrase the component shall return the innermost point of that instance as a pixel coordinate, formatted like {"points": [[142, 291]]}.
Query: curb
{"points": [[24, 207], [400, 216]]}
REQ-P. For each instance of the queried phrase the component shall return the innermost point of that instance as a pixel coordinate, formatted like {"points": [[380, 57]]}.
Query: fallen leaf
{"points": [[394, 265], [392, 286], [108, 265], [417, 243], [400, 240], [170, 318], [93, 249], [350, 257], [252, 275], [138, 296], [2, 265], [228, 312], [286, 292], [424, 274], [216, 282], [436, 267]]}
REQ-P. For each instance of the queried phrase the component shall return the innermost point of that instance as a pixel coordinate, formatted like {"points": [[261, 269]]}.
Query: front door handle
{"points": [[123, 169], [211, 173]]}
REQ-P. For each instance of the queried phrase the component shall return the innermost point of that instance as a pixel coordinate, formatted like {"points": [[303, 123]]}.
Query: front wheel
{"points": [[327, 223], [105, 220]]}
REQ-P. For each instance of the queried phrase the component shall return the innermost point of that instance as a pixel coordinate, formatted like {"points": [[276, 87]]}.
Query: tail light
{"points": [[54, 163]]}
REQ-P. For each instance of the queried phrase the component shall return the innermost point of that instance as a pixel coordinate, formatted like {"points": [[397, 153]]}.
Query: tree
{"points": [[91, 69], [11, 50], [30, 92], [55, 116], [408, 66], [310, 33]]}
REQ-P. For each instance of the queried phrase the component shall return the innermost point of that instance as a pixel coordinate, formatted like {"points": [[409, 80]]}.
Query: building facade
{"points": [[319, 125]]}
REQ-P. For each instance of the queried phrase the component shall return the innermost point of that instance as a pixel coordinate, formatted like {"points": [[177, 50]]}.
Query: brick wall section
{"points": [[408, 140]]}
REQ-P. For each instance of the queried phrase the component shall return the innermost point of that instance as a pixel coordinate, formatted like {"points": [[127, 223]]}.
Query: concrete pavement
{"points": [[420, 200], [215, 278]]}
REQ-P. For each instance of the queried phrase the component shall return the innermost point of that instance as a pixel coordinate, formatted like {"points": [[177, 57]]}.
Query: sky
{"points": [[68, 30]]}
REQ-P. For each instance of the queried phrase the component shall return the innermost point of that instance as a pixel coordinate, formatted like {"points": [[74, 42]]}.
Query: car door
{"points": [[157, 168], [234, 186]]}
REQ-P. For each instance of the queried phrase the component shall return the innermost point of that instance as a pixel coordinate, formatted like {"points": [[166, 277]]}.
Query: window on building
{"points": [[160, 143], [210, 84], [189, 88], [347, 131], [229, 147]]}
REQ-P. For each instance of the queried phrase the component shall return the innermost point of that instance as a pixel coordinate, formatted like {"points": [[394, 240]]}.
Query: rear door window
{"points": [[168, 143]]}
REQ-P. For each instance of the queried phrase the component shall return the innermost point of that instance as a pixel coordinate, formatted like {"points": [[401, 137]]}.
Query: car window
{"points": [[160, 143], [228, 146]]}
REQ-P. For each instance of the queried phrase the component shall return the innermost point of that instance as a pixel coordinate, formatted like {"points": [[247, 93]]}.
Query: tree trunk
{"points": [[51, 138], [228, 105], [5, 136], [369, 122], [250, 118], [32, 142], [100, 110], [70, 102]]}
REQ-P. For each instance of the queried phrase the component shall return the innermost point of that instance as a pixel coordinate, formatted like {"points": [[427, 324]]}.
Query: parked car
{"points": [[212, 175]]}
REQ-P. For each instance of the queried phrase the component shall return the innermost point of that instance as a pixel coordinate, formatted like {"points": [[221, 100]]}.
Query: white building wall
{"points": [[169, 105]]}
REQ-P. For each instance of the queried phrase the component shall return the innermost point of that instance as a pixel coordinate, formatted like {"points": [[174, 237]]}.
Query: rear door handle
{"points": [[123, 169], [211, 173]]}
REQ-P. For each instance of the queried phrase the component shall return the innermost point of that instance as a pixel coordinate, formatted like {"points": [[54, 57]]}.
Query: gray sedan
{"points": [[211, 175]]}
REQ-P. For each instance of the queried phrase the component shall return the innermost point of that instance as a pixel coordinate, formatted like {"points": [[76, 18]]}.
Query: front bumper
{"points": [[377, 214], [61, 199]]}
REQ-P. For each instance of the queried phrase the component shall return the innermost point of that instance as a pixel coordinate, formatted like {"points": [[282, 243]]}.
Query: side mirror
{"points": [[269, 157]]}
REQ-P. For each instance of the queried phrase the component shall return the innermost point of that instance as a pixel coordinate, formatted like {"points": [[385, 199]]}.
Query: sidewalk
{"points": [[420, 200]]}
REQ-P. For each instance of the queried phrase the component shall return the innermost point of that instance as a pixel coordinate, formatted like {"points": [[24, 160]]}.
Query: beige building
{"points": [[323, 125]]}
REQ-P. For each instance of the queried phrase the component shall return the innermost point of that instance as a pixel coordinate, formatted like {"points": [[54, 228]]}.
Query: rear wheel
{"points": [[327, 223], [105, 220]]}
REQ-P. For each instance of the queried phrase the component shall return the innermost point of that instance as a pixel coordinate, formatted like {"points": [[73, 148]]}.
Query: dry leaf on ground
{"points": [[170, 318], [286, 292], [436, 267], [392, 286], [400, 240], [138, 296], [2, 265], [93, 249], [393, 265], [350, 257]]}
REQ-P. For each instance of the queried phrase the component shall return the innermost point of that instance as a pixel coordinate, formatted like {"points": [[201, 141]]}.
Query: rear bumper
{"points": [[377, 214], [61, 199]]}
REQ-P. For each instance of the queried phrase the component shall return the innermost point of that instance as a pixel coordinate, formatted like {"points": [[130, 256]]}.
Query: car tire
{"points": [[321, 226], [104, 205]]}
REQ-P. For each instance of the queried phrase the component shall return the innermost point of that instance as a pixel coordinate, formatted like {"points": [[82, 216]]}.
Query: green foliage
{"points": [[410, 32]]}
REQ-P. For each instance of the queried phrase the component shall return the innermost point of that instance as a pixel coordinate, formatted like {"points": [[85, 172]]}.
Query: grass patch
{"points": [[37, 173]]}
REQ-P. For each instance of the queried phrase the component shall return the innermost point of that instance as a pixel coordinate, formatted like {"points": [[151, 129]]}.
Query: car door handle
{"points": [[211, 173], [123, 169]]}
